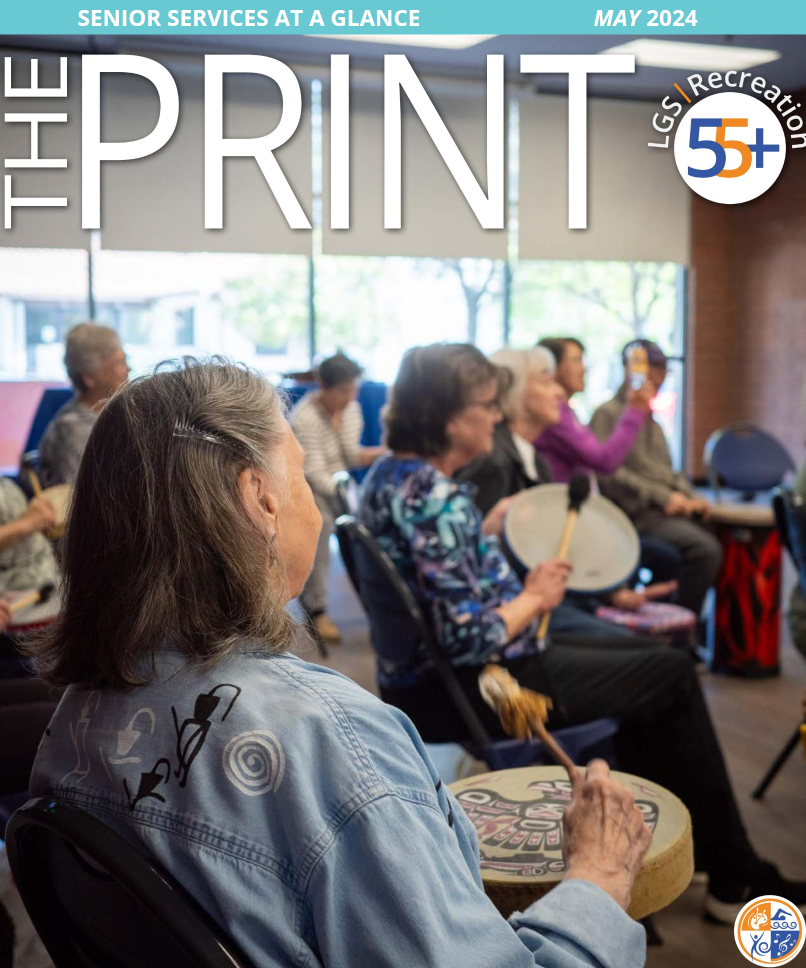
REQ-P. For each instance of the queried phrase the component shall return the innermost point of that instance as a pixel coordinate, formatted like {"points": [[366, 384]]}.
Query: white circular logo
{"points": [[730, 148], [254, 762], [769, 930]]}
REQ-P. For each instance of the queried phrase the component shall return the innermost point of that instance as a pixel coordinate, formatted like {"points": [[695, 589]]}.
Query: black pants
{"points": [[700, 550], [666, 733]]}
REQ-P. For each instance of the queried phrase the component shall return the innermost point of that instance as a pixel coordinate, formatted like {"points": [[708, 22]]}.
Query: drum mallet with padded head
{"points": [[579, 489], [38, 597], [522, 712]]}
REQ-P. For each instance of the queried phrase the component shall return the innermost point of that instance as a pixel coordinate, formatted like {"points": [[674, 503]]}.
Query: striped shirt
{"points": [[29, 562], [63, 443], [327, 450]]}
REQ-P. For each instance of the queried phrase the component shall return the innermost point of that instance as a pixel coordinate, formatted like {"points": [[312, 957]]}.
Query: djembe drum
{"points": [[518, 819], [30, 619], [747, 617]]}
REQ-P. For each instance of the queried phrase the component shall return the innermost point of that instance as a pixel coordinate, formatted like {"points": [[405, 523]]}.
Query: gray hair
{"points": [[158, 548], [85, 348], [521, 364]]}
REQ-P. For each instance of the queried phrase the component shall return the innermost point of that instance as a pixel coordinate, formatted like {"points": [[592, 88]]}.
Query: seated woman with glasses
{"points": [[531, 405], [442, 414], [301, 812]]}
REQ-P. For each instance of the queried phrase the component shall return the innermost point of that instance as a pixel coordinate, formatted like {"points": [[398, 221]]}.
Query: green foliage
{"points": [[269, 307]]}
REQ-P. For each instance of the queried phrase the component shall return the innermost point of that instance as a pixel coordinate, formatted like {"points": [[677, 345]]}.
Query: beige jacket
{"points": [[643, 484]]}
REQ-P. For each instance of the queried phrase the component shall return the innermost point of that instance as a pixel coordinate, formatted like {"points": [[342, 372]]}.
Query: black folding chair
{"points": [[29, 465], [398, 626], [790, 519], [344, 498], [98, 901]]}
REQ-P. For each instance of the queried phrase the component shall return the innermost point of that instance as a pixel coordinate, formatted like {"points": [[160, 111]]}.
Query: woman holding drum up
{"points": [[301, 812], [442, 414]]}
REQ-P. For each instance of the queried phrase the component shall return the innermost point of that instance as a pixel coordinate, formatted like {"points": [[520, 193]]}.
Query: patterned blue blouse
{"points": [[430, 527]]}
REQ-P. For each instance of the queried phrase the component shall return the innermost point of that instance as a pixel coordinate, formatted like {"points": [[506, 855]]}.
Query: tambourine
{"points": [[518, 819]]}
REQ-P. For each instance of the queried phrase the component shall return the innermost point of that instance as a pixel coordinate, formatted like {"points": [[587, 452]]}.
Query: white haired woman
{"points": [[96, 365], [534, 404], [301, 812]]}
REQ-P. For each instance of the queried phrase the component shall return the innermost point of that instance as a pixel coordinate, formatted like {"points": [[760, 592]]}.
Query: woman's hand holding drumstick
{"points": [[605, 837]]}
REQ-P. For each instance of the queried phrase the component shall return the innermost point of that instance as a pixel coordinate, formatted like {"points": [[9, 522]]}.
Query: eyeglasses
{"points": [[491, 406]]}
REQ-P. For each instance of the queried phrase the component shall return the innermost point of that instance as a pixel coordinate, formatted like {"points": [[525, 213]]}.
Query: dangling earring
{"points": [[272, 552]]}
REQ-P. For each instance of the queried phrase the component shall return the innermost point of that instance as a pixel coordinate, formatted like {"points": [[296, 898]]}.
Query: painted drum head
{"points": [[518, 819]]}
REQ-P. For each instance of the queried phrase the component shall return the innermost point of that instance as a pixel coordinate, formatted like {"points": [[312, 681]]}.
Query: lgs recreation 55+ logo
{"points": [[730, 147]]}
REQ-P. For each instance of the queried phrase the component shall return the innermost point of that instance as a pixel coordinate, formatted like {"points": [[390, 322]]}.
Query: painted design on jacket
{"points": [[254, 762]]}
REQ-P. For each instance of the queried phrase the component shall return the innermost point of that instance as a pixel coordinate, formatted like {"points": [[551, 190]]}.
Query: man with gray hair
{"points": [[660, 501], [96, 365]]}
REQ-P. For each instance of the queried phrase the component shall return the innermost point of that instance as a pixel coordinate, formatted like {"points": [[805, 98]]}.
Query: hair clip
{"points": [[183, 428]]}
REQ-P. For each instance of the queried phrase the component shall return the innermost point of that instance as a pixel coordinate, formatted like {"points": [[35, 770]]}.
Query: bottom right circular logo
{"points": [[769, 931]]}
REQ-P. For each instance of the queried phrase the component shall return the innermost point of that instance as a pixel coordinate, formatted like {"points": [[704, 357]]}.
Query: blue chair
{"points": [[53, 399], [98, 901], [745, 458], [398, 626], [372, 397]]}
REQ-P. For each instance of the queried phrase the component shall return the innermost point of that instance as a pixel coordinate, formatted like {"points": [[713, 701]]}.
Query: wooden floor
{"points": [[753, 719]]}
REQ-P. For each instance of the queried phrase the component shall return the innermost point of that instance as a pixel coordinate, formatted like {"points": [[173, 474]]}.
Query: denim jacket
{"points": [[307, 818]]}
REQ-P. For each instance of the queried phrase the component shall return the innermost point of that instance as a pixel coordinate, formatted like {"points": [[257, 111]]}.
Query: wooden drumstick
{"points": [[33, 598], [561, 758], [36, 487], [579, 489], [522, 712]]}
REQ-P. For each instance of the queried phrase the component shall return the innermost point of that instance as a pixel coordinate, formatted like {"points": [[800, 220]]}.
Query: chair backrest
{"points": [[345, 497], [98, 901], [53, 399], [397, 622], [746, 458], [343, 522]]}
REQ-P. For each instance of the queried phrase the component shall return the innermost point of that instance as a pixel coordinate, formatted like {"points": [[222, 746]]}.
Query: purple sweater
{"points": [[568, 446]]}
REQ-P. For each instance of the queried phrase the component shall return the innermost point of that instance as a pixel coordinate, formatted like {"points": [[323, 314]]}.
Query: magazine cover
{"points": [[402, 530]]}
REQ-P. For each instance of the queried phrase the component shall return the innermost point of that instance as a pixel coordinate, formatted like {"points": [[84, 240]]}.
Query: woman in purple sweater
{"points": [[568, 446]]}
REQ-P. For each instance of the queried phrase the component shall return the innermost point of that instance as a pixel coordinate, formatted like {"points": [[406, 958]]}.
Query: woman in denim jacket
{"points": [[299, 810]]}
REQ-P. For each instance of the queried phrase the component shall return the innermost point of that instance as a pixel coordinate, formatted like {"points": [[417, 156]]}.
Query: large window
{"points": [[281, 313], [273, 312], [253, 308], [43, 292], [376, 308]]}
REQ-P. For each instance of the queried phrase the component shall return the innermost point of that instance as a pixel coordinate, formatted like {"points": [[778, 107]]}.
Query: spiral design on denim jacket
{"points": [[254, 762]]}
